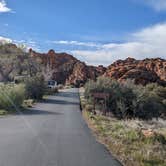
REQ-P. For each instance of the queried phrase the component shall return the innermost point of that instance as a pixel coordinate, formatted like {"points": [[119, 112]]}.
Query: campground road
{"points": [[53, 133]]}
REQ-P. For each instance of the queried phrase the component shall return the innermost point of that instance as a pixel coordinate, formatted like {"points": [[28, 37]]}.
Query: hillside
{"points": [[14, 61]]}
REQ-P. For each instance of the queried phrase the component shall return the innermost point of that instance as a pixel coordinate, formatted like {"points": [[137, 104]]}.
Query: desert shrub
{"points": [[128, 100], [124, 102], [35, 87], [103, 84], [150, 101], [121, 97], [11, 96]]}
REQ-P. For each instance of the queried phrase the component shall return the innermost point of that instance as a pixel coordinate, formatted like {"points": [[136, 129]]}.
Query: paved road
{"points": [[53, 133]]}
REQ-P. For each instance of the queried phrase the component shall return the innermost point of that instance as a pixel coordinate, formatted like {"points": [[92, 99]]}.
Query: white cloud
{"points": [[146, 43], [29, 43], [4, 40], [76, 43], [3, 7]]}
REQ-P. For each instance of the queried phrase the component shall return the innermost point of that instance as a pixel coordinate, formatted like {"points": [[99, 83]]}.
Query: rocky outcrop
{"points": [[81, 73], [66, 69], [141, 71]]}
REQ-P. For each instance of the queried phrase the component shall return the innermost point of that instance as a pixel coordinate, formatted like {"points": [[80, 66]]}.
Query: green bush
{"points": [[35, 87], [11, 96], [128, 100], [150, 101]]}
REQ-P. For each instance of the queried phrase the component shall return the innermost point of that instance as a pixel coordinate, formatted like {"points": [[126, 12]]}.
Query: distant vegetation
{"points": [[128, 100]]}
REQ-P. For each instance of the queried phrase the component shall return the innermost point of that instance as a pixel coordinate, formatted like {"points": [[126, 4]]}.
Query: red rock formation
{"points": [[141, 71], [66, 69]]}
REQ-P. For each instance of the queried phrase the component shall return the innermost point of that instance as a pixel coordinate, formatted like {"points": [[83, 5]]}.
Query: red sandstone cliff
{"points": [[141, 71], [66, 69]]}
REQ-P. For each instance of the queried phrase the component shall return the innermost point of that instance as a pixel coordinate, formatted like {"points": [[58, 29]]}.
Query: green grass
{"points": [[129, 145]]}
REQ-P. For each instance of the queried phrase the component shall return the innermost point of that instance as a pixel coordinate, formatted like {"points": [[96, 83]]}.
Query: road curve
{"points": [[53, 133]]}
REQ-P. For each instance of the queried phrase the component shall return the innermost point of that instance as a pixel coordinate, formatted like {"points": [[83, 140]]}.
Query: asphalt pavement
{"points": [[52, 133]]}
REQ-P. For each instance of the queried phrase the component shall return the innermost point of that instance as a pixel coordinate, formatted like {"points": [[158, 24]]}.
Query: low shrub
{"points": [[150, 101], [11, 96], [35, 87]]}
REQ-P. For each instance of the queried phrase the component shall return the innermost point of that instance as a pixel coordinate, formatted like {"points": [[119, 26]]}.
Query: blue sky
{"points": [[95, 31]]}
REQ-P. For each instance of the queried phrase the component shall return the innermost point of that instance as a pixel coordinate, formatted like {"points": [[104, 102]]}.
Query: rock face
{"points": [[141, 71], [66, 69]]}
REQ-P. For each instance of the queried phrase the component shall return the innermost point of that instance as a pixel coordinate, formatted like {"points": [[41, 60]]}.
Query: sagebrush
{"points": [[128, 100]]}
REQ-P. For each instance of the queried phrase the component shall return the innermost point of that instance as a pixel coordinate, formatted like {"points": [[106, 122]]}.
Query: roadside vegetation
{"points": [[128, 100], [134, 128], [22, 81], [128, 141], [18, 96], [11, 96], [35, 87]]}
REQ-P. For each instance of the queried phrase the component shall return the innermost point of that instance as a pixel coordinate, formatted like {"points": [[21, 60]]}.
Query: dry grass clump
{"points": [[11, 96]]}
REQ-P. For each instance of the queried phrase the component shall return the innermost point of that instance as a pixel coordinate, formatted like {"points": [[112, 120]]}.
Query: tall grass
{"points": [[11, 96]]}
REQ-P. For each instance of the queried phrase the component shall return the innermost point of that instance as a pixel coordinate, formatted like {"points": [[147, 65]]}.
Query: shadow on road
{"points": [[39, 112], [60, 102], [54, 100]]}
